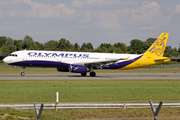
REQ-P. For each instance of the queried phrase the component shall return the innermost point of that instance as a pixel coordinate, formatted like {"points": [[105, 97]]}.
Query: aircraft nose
{"points": [[5, 60]]}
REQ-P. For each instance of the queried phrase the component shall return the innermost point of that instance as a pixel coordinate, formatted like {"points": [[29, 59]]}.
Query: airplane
{"points": [[83, 62]]}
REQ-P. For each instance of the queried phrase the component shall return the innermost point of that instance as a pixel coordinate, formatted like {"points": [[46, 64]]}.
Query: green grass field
{"points": [[89, 91]]}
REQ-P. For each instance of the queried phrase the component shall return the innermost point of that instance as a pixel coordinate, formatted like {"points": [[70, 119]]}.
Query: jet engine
{"points": [[78, 68]]}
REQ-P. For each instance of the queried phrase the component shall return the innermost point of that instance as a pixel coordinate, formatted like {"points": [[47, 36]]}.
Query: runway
{"points": [[100, 76]]}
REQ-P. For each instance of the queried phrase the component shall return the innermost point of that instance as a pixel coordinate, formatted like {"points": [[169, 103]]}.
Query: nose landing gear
{"points": [[22, 73]]}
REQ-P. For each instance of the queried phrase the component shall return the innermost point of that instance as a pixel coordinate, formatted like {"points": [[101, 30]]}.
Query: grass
{"points": [[89, 91]]}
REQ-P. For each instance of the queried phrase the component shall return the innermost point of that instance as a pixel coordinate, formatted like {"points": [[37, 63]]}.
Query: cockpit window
{"points": [[14, 55]]}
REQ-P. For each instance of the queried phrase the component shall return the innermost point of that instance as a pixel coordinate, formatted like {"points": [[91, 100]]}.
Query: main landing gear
{"points": [[22, 73], [83, 73], [92, 73]]}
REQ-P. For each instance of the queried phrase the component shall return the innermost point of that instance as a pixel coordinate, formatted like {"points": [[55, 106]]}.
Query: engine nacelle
{"points": [[63, 69], [78, 68]]}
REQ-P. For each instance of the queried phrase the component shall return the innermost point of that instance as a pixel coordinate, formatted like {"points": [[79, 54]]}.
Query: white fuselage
{"points": [[32, 58]]}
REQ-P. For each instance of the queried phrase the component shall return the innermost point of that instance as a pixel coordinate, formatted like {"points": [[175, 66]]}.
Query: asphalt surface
{"points": [[99, 76]]}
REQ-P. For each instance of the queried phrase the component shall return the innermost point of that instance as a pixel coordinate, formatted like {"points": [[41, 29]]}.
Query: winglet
{"points": [[127, 58]]}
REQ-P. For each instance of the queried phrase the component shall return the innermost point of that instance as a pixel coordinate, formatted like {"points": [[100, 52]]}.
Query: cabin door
{"points": [[24, 55]]}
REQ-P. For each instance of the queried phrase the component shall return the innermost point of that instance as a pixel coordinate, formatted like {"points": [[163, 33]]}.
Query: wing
{"points": [[100, 62]]}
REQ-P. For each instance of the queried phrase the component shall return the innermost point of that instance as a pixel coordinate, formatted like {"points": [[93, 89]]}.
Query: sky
{"points": [[95, 21]]}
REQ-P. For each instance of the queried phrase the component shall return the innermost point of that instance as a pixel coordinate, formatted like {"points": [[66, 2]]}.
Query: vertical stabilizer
{"points": [[158, 47]]}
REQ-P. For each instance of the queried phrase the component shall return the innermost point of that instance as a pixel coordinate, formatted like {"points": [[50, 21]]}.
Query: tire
{"points": [[92, 74], [22, 74], [84, 74]]}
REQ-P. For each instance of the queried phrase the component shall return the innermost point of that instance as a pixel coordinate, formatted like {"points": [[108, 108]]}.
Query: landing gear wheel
{"points": [[84, 74], [22, 74], [92, 74]]}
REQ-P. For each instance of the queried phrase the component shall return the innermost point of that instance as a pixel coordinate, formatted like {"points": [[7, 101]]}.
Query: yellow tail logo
{"points": [[153, 56], [158, 47]]}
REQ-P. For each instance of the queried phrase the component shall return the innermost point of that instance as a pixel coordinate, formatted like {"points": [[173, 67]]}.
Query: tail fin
{"points": [[158, 47]]}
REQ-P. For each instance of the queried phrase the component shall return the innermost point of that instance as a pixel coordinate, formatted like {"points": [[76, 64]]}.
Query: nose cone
{"points": [[5, 60]]}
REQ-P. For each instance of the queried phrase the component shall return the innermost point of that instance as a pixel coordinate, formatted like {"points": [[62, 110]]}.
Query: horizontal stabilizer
{"points": [[162, 59]]}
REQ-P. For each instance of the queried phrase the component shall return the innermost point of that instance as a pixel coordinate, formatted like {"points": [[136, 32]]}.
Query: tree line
{"points": [[9, 45]]}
